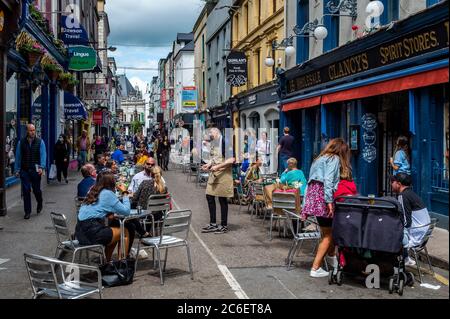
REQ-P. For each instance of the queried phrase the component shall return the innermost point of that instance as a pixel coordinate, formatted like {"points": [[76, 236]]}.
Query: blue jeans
{"points": [[283, 162], [30, 179], [82, 156]]}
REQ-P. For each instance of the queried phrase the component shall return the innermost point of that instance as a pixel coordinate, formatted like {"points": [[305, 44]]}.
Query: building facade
{"points": [[371, 86]]}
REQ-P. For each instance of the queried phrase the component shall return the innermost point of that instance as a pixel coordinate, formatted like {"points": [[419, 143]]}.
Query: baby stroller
{"points": [[369, 231]]}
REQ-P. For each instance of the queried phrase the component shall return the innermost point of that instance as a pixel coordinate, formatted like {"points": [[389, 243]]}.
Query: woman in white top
{"points": [[263, 149]]}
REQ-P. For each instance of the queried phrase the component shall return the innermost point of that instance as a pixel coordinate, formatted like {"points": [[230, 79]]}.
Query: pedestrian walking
{"points": [[165, 153], [324, 176], [400, 162], [220, 184], [284, 149], [62, 157], [99, 148], [31, 159], [83, 145]]}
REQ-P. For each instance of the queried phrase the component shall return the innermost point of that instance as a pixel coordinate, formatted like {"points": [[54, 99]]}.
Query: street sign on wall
{"points": [[82, 58], [237, 68]]}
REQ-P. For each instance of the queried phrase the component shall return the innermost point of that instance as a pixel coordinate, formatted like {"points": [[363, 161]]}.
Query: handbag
{"points": [[52, 173], [118, 272]]}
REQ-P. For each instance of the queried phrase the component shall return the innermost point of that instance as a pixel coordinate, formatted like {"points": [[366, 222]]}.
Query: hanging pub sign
{"points": [[163, 99], [97, 117], [72, 32], [237, 69], [82, 58], [189, 97], [73, 108], [96, 92]]}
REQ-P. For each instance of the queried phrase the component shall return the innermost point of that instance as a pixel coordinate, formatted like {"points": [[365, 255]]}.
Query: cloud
{"points": [[151, 22]]}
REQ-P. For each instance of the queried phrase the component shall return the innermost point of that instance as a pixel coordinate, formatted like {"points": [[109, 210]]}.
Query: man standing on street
{"points": [[83, 145], [31, 159], [284, 149]]}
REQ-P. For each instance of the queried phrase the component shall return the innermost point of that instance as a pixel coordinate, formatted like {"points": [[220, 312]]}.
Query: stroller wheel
{"points": [[391, 285], [410, 280], [400, 287], [339, 276], [331, 278]]}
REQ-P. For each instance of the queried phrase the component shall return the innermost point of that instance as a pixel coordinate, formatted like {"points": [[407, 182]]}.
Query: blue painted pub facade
{"points": [[370, 91]]}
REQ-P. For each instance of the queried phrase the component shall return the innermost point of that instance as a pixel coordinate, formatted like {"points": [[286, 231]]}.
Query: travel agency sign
{"points": [[82, 58]]}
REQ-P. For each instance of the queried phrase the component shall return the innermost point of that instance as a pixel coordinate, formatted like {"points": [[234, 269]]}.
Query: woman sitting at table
{"points": [[153, 186], [112, 166], [102, 202], [141, 159], [293, 176]]}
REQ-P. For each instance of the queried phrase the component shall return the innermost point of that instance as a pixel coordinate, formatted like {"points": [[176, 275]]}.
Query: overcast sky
{"points": [[143, 30]]}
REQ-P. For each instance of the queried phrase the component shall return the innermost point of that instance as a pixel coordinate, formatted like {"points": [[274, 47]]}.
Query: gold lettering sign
{"points": [[353, 65], [308, 80], [408, 47]]}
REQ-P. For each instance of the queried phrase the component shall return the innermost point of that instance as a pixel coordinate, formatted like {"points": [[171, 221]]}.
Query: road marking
{"points": [[237, 289], [436, 276], [284, 286], [2, 261]]}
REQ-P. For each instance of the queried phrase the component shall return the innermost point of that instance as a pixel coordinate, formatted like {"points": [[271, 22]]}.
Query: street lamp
{"points": [[286, 44]]}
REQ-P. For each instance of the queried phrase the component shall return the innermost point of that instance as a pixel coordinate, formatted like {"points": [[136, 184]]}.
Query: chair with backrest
{"points": [[281, 201], [422, 247], [192, 171], [48, 276], [293, 221], [174, 233], [157, 203], [259, 201], [67, 244]]}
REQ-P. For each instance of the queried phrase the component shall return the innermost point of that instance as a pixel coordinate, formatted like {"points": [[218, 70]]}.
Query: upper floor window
{"points": [[390, 13], [332, 25]]}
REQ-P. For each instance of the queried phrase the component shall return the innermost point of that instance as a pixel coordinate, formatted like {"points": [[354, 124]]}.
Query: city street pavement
{"points": [[243, 263]]}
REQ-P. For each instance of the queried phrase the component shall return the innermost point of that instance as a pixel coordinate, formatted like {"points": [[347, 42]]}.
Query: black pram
{"points": [[369, 231]]}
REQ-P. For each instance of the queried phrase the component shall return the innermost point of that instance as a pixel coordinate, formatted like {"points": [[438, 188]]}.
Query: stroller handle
{"points": [[390, 204]]}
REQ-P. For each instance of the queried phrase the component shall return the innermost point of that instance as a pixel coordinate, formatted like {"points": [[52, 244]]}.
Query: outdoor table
{"points": [[123, 219]]}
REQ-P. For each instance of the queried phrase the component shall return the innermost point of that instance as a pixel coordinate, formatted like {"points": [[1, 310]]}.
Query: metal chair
{"points": [[259, 201], [192, 171], [423, 246], [281, 201], [174, 233], [202, 176], [299, 237], [157, 203], [66, 243], [48, 277]]}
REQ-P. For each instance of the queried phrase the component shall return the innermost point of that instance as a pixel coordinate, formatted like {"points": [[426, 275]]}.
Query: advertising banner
{"points": [[73, 108], [97, 117], [72, 32], [163, 99], [189, 97]]}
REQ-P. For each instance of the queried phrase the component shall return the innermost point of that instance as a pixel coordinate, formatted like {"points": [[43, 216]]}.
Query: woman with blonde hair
{"points": [[324, 176]]}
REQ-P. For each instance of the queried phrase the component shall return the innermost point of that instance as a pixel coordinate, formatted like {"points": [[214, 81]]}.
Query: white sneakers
{"points": [[409, 262], [318, 273]]}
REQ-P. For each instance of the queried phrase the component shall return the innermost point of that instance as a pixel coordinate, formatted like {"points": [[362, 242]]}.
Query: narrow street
{"points": [[242, 263]]}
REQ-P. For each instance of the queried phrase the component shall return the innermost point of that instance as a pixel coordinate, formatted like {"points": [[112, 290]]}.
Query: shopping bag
{"points": [[52, 173]]}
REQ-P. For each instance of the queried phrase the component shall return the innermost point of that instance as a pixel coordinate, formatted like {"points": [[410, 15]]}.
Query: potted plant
{"points": [[30, 50], [72, 83], [53, 70], [64, 79]]}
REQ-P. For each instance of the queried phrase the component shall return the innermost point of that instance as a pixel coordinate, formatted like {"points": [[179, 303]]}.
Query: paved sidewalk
{"points": [[438, 248]]}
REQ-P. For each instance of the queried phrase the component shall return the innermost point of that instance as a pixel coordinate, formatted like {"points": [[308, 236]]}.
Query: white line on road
{"points": [[239, 292], [2, 261], [284, 286]]}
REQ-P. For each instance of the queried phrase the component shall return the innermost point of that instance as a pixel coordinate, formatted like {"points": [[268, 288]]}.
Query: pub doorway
{"points": [[393, 121]]}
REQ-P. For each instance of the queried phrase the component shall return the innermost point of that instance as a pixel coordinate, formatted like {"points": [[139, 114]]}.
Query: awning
{"points": [[73, 108], [432, 77], [302, 104], [428, 78]]}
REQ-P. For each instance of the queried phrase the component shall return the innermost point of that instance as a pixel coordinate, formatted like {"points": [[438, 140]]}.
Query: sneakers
{"points": [[210, 228], [409, 262], [221, 230], [318, 273]]}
